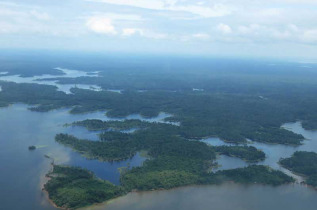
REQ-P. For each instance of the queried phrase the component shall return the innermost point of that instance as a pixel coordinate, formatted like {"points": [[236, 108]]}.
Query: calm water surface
{"points": [[219, 197]]}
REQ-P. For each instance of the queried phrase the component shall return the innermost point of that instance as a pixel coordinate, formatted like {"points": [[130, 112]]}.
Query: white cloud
{"points": [[255, 22], [132, 31], [119, 16], [203, 36], [197, 8], [101, 25], [309, 36], [223, 28], [154, 35], [40, 15], [251, 29]]}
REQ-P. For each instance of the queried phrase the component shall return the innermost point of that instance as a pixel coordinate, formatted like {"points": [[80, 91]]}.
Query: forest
{"points": [[174, 160], [303, 163], [240, 100], [114, 125], [72, 187], [247, 153]]}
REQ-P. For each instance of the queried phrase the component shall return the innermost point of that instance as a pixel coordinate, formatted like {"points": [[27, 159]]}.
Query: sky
{"points": [[239, 28]]}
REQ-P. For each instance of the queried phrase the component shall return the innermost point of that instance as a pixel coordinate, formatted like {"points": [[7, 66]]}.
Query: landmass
{"points": [[174, 160], [247, 153], [114, 125], [229, 116], [304, 163], [72, 187]]}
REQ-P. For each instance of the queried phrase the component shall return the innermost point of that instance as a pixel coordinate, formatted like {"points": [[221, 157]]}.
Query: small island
{"points": [[72, 187], [32, 147], [304, 163], [246, 153]]}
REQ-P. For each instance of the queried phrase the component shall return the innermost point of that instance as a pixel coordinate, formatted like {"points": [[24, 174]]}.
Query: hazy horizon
{"points": [[225, 28]]}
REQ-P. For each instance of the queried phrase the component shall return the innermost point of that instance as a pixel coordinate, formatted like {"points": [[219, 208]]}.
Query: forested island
{"points": [[174, 160], [304, 163], [247, 153], [96, 125], [72, 187], [115, 145]]}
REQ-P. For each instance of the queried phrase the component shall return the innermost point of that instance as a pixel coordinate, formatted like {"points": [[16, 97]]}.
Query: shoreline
{"points": [[47, 179]]}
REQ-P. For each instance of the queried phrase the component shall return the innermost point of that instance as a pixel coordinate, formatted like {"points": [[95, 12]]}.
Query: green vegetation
{"points": [[232, 112], [113, 135], [255, 174], [174, 160], [111, 125], [276, 135], [303, 163], [71, 188], [106, 151], [247, 153]]}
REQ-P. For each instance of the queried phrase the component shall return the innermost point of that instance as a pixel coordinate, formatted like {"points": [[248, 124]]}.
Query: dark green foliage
{"points": [[303, 163], [254, 174], [113, 135], [113, 150], [309, 125], [275, 135], [162, 179], [72, 187], [166, 172], [247, 153], [113, 125], [232, 117], [312, 180], [176, 161]]}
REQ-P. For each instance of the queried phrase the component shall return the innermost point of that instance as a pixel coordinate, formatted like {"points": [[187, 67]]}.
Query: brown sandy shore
{"points": [[46, 179]]}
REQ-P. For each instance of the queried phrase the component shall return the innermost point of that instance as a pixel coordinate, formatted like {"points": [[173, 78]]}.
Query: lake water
{"points": [[23, 171], [218, 197]]}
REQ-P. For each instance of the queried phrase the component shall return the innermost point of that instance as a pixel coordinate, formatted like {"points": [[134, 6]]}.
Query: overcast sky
{"points": [[276, 28]]}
